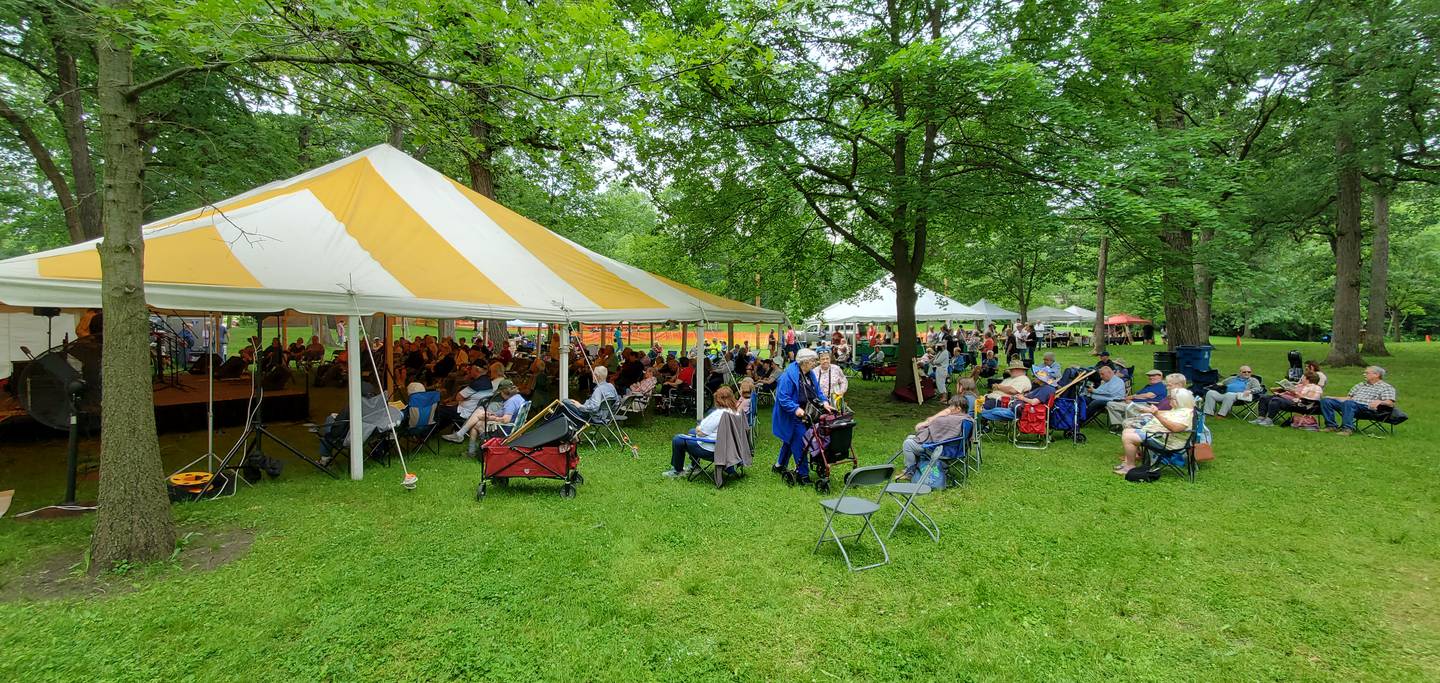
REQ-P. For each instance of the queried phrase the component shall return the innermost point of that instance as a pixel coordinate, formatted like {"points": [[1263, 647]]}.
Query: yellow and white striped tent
{"points": [[377, 232]]}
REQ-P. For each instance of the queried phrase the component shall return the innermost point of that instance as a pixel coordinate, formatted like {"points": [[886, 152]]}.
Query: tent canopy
{"points": [[1125, 319], [1050, 314], [1083, 314], [988, 311], [876, 304], [376, 232]]}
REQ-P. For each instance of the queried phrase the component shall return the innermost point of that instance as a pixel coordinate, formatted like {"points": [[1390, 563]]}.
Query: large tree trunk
{"points": [[1178, 282], [77, 140], [1379, 276], [134, 523], [1098, 334], [1204, 286], [1345, 330], [905, 324]]}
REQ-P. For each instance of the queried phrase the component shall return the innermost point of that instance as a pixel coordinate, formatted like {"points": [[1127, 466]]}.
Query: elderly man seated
{"points": [[1014, 384], [1048, 364], [1130, 406], [1241, 386], [1111, 388], [589, 411], [1373, 394]]}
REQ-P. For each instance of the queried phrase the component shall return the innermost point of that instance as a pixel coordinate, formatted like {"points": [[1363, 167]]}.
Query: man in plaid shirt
{"points": [[1374, 393]]}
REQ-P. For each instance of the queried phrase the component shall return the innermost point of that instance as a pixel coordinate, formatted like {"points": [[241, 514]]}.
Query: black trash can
{"points": [[1165, 361]]}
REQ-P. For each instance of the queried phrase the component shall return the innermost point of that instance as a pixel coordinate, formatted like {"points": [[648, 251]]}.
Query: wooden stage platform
{"points": [[181, 407]]}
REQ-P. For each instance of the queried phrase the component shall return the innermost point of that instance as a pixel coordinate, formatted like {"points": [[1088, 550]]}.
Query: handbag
{"points": [[1204, 452]]}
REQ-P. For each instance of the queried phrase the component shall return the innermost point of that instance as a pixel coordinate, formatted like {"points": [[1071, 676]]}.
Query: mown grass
{"points": [[1295, 556]]}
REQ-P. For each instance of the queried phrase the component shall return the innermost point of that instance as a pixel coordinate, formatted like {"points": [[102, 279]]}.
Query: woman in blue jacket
{"points": [[798, 385]]}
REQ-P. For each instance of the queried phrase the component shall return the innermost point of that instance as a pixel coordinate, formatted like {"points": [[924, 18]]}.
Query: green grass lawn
{"points": [[1294, 556]]}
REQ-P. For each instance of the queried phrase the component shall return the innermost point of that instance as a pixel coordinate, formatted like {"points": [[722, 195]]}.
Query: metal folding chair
{"points": [[855, 506], [520, 417]]}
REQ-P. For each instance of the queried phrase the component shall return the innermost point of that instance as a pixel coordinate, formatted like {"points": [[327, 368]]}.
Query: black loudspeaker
{"points": [[46, 312]]}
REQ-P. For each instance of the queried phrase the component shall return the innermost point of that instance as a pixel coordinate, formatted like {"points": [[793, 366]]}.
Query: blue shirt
{"points": [[1237, 385], [1157, 390], [1110, 390], [1042, 392], [1053, 369], [512, 407]]}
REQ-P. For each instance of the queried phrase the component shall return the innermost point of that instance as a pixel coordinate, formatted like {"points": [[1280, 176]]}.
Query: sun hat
{"points": [[1016, 365], [805, 354]]}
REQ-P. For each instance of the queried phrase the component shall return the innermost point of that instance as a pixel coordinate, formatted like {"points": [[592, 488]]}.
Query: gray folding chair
{"points": [[854, 506]]}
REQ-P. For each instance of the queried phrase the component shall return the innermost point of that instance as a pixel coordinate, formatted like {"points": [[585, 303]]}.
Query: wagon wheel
{"points": [[480, 492], [502, 481], [1080, 438], [567, 491], [576, 478]]}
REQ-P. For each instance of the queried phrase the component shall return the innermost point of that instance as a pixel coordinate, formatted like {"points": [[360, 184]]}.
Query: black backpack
{"points": [[1145, 474]]}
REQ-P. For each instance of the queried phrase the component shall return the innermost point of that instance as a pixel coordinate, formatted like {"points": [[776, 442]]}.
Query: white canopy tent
{"points": [[376, 232], [1082, 314], [876, 304], [984, 310], [1050, 314]]}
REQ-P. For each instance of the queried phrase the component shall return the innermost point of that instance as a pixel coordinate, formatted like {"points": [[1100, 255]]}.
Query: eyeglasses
{"points": [[1245, 372]]}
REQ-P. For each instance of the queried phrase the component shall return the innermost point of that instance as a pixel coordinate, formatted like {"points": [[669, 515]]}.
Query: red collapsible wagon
{"points": [[545, 448]]}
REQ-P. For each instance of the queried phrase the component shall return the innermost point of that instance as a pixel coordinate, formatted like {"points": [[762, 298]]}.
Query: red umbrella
{"points": [[1125, 319]]}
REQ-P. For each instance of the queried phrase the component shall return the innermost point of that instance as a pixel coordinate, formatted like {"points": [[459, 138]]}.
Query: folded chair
{"points": [[855, 506], [521, 415]]}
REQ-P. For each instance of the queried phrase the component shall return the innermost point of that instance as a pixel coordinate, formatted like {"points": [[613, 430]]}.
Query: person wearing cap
{"points": [[506, 390], [798, 386], [1130, 406], [1014, 384]]}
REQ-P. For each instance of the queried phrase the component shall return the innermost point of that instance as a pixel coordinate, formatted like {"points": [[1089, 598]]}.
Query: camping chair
{"points": [[521, 415], [1379, 424], [700, 467], [1249, 410], [1285, 415], [634, 405], [1031, 429], [750, 418], [855, 506], [935, 473], [1181, 459], [420, 424], [608, 420], [1002, 428]]}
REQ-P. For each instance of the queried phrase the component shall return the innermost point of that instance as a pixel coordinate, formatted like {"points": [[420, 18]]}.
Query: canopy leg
{"points": [[357, 439]]}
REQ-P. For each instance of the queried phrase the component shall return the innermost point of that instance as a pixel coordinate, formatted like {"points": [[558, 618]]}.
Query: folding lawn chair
{"points": [[521, 416], [1379, 424], [709, 469], [420, 421], [607, 424], [634, 404], [934, 474], [1031, 429], [1249, 410], [855, 506], [1181, 459]]}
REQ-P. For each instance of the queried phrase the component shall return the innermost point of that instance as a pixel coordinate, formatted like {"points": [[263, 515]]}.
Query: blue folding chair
{"points": [[420, 424], [520, 417]]}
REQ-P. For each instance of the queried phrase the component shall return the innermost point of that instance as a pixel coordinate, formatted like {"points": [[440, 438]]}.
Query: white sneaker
{"points": [[672, 473], [457, 437]]}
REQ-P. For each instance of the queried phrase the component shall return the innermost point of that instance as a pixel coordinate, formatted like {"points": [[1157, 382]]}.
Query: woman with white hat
{"points": [[798, 386]]}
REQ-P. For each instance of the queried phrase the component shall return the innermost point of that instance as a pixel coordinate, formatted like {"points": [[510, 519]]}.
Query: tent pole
{"points": [[684, 338], [730, 335], [652, 335], [210, 398], [357, 436], [699, 371], [563, 355], [388, 356]]}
